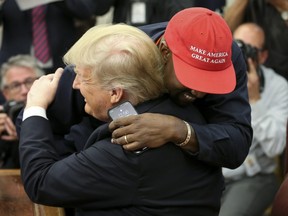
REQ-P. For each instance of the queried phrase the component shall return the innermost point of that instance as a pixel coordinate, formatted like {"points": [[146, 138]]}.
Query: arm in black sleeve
{"points": [[226, 139], [75, 181]]}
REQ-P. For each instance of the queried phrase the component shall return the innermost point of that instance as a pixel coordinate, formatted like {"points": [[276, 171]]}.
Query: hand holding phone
{"points": [[123, 110]]}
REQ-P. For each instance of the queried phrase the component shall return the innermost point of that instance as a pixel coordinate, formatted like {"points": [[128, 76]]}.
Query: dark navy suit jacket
{"points": [[224, 141], [104, 179]]}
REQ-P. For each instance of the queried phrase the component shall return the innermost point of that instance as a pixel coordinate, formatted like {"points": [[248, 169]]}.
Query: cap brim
{"points": [[214, 82]]}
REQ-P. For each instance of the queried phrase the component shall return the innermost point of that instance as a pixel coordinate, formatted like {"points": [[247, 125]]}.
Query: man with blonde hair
{"points": [[114, 64], [202, 65]]}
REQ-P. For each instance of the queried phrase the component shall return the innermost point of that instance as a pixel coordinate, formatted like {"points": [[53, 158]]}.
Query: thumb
{"points": [[57, 76], [252, 68]]}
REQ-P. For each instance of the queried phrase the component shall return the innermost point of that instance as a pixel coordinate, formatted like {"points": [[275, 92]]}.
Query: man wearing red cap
{"points": [[204, 66], [199, 48]]}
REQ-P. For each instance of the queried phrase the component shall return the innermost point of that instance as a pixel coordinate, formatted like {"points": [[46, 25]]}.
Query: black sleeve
{"points": [[67, 108]]}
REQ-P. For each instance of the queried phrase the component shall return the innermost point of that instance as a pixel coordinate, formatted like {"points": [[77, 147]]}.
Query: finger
{"points": [[9, 122], [121, 122], [122, 140], [129, 144], [2, 129], [119, 133], [8, 137], [252, 69], [126, 139], [11, 133], [8, 129], [3, 117], [54, 78], [48, 76], [58, 74], [132, 146]]}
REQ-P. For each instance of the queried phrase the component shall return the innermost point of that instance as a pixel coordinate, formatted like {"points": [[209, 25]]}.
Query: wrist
{"points": [[254, 99], [178, 130], [35, 104], [34, 111], [188, 136], [191, 142]]}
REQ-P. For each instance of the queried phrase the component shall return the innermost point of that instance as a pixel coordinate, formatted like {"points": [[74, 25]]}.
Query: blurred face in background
{"points": [[18, 81], [253, 35]]}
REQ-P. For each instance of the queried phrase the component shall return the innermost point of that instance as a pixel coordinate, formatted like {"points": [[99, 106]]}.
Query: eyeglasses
{"points": [[16, 86]]}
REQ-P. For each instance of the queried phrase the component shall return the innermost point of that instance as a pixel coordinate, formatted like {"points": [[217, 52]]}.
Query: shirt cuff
{"points": [[34, 111]]}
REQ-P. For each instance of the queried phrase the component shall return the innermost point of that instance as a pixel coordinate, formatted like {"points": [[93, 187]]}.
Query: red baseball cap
{"points": [[201, 43]]}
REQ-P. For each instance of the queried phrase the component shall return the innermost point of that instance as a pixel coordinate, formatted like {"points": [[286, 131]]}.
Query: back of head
{"points": [[121, 56], [200, 42], [250, 33], [253, 37]]}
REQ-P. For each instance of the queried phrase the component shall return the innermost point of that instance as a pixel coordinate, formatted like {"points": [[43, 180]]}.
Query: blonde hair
{"points": [[121, 56]]}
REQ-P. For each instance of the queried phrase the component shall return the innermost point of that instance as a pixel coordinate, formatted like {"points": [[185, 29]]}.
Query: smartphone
{"points": [[122, 110]]}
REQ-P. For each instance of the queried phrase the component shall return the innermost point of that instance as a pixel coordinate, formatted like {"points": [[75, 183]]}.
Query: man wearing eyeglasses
{"points": [[17, 76]]}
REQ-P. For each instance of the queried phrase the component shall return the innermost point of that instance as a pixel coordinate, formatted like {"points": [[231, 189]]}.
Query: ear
{"points": [[263, 56], [5, 93], [116, 95], [164, 50]]}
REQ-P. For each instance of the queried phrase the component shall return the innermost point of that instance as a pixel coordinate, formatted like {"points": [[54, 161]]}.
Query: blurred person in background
{"points": [[250, 189], [17, 76], [272, 16], [54, 22], [45, 29], [143, 12], [217, 6]]}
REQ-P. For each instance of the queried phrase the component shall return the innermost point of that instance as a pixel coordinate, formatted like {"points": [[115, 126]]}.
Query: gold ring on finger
{"points": [[126, 140]]}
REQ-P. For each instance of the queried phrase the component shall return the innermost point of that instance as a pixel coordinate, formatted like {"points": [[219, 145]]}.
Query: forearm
{"points": [[224, 145], [218, 144], [183, 136], [234, 14]]}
